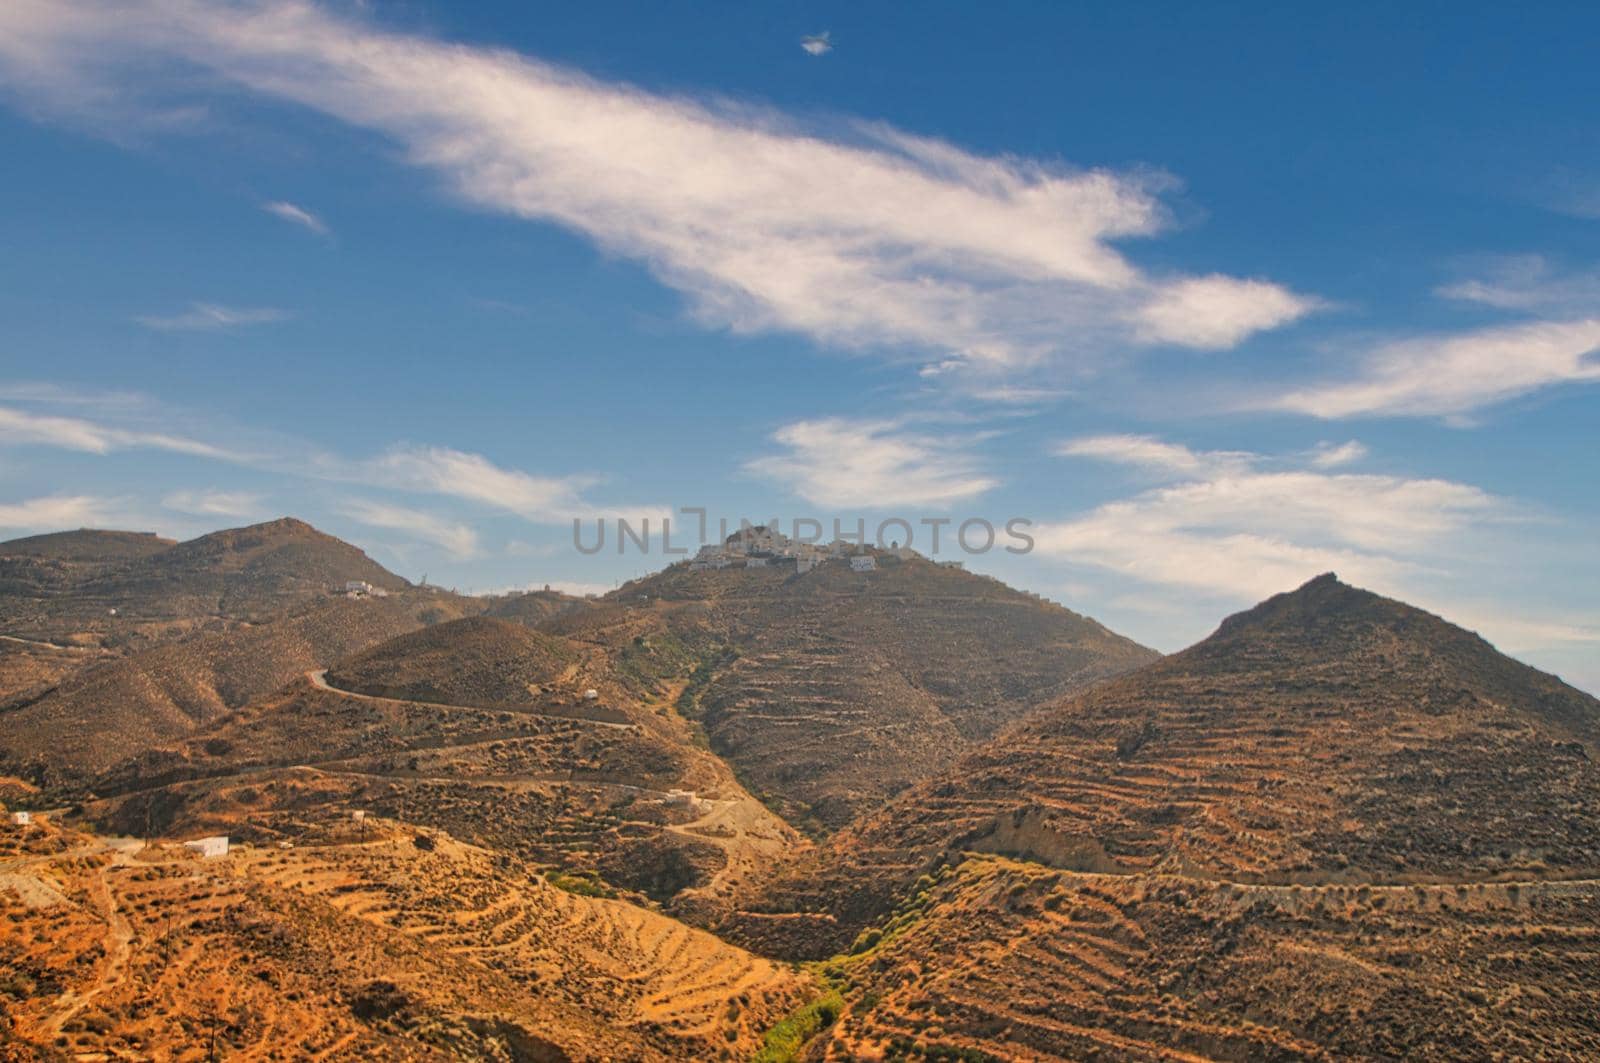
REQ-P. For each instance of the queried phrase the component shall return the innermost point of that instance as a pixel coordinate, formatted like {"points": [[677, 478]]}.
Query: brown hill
{"points": [[88, 546], [1335, 827], [479, 661], [831, 690], [122, 590], [1003, 959], [372, 941], [1325, 734], [510, 738], [534, 607], [85, 719]]}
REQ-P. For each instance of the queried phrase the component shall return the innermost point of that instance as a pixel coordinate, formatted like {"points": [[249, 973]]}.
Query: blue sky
{"points": [[1219, 298]]}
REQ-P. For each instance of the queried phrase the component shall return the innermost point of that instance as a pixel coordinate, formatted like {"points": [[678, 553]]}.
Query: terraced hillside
{"points": [[507, 737], [99, 709], [831, 690], [354, 941], [1003, 960], [1328, 735]]}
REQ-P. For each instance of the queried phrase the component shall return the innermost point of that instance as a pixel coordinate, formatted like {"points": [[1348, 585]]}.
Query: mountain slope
{"points": [[98, 715], [1336, 827], [374, 941], [1326, 734], [515, 739], [831, 690]]}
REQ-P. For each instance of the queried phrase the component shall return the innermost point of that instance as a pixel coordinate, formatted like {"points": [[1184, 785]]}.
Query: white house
{"points": [[359, 815], [756, 562], [21, 819], [216, 845], [863, 563], [591, 695]]}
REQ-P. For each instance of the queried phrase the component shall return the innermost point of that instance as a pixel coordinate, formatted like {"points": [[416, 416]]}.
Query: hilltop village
{"points": [[759, 546]]}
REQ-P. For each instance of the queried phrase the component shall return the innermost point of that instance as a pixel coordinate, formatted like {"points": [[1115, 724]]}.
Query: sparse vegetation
{"points": [[785, 1041]]}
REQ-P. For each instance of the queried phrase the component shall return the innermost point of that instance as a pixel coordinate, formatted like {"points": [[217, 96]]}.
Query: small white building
{"points": [[21, 819], [756, 562], [591, 695], [216, 845], [863, 563], [359, 815]]}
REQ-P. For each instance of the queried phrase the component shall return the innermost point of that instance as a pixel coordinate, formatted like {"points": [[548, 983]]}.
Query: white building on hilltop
{"points": [[863, 563], [21, 819]]}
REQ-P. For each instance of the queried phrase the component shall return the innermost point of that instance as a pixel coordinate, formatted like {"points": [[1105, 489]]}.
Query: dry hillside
{"points": [[353, 941], [507, 737], [91, 717], [831, 690]]}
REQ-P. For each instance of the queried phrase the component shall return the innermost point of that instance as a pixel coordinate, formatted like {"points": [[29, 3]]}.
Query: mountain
{"points": [[121, 590], [1340, 825], [830, 690]]}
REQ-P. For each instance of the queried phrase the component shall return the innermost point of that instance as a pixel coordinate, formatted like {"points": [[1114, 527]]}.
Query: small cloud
{"points": [[1328, 456], [459, 540], [233, 504], [296, 215], [1216, 311], [1455, 374], [53, 513], [817, 44], [209, 317], [21, 428], [840, 463]]}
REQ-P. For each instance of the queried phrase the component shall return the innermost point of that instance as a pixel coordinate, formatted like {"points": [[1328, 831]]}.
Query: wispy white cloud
{"points": [[1233, 525], [473, 477], [1334, 456], [210, 317], [296, 215], [1151, 453], [19, 427], [236, 505], [857, 235], [54, 513], [817, 43], [1454, 375], [844, 464], [1529, 283], [459, 540]]}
